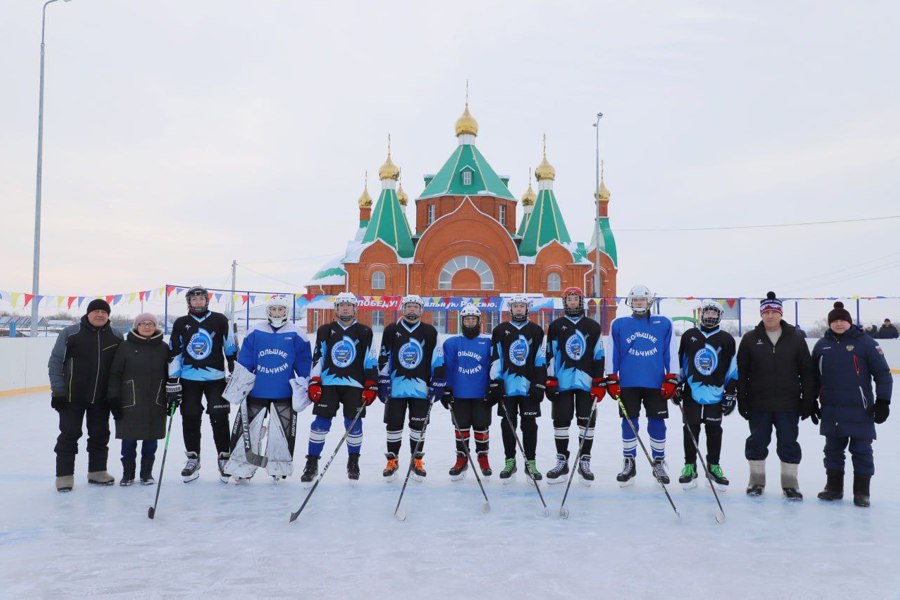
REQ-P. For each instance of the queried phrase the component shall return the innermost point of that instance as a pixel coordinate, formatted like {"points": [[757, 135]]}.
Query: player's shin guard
{"points": [[462, 441], [561, 437], [656, 429], [318, 431], [482, 441], [629, 441], [355, 437], [394, 440]]}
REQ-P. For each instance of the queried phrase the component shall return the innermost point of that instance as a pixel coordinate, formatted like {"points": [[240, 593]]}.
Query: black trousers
{"points": [[394, 415], [192, 413], [71, 418], [573, 403], [529, 409], [696, 415], [475, 415]]}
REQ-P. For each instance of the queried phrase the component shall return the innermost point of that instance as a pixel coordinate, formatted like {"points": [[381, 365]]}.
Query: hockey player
{"points": [[466, 366], [344, 373], [518, 379], [404, 382], [197, 345], [277, 355], [708, 388], [642, 368], [575, 360]]}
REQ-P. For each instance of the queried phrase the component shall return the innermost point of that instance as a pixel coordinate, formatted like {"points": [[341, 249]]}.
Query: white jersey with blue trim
{"points": [[409, 354], [343, 355], [575, 354], [708, 363], [642, 350], [198, 346], [275, 356], [518, 356]]}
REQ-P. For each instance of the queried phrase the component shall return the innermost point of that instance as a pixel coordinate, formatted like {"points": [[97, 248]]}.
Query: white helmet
{"points": [[346, 298], [412, 299], [519, 299], [711, 305], [640, 291], [277, 302], [470, 310]]}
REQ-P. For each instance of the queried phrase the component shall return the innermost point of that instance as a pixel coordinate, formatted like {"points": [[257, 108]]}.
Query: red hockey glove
{"points": [[598, 389], [613, 387], [552, 389], [370, 392], [315, 389], [669, 385]]}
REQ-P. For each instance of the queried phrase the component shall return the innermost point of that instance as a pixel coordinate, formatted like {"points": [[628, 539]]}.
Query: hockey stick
{"points": [[563, 511], [487, 504], [509, 424], [151, 512], [296, 514], [720, 516], [252, 457], [647, 454], [401, 515]]}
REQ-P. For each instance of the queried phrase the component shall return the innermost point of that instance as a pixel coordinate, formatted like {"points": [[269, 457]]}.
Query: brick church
{"points": [[467, 241]]}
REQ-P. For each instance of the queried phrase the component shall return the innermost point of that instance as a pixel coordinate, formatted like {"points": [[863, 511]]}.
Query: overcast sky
{"points": [[181, 135]]}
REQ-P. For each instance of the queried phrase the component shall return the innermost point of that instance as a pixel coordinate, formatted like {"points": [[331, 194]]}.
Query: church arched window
{"points": [[454, 265], [378, 280], [553, 282]]}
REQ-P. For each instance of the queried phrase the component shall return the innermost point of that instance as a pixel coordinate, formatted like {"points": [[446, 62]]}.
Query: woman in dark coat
{"points": [[847, 361], [137, 395]]}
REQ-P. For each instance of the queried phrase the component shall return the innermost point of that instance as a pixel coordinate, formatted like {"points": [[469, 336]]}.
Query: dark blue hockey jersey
{"points": [[466, 365], [275, 357], [642, 350]]}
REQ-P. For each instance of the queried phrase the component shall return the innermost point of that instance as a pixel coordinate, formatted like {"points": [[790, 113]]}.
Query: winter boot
{"points": [[458, 470], [629, 470], [789, 484], [688, 477], [555, 475], [757, 482], [861, 490], [834, 486], [509, 469], [147, 471], [484, 465], [418, 469], [191, 470], [532, 471], [102, 478], [310, 470], [390, 469], [65, 483], [584, 469], [353, 467], [659, 470], [223, 460], [128, 468]]}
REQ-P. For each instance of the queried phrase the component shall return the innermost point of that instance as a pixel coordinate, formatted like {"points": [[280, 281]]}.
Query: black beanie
{"points": [[99, 304], [839, 313]]}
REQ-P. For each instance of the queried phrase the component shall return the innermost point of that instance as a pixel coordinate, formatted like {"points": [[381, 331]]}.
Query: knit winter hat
{"points": [[770, 302], [143, 317], [98, 304], [839, 313]]}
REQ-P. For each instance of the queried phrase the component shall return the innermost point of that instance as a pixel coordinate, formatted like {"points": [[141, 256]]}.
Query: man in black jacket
{"points": [[79, 373], [776, 387], [888, 331]]}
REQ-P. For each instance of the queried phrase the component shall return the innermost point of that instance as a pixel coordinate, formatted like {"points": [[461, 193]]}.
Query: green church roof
{"points": [[544, 226], [607, 241], [388, 224], [449, 180]]}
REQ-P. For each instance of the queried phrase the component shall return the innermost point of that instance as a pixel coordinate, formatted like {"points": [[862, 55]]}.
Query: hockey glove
{"points": [[495, 391], [670, 383], [612, 386], [436, 391], [729, 401], [58, 402], [536, 393], [447, 398], [384, 387], [370, 392], [315, 389], [598, 389], [173, 394], [552, 389], [880, 410], [679, 394]]}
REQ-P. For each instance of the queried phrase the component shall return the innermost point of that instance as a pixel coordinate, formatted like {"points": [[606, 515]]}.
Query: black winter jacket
{"points": [[776, 378], [80, 360], [137, 382]]}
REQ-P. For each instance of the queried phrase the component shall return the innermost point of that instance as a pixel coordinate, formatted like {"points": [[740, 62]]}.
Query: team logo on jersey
{"points": [[576, 345], [410, 354], [518, 352], [343, 353], [200, 345], [706, 360]]}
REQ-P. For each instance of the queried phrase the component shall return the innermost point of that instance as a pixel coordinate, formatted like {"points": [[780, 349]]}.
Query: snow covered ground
{"points": [[233, 541]]}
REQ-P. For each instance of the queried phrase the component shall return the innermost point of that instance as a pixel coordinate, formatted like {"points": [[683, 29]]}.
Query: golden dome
{"points": [[545, 170], [365, 200], [389, 170], [602, 192], [402, 196], [529, 197], [466, 124]]}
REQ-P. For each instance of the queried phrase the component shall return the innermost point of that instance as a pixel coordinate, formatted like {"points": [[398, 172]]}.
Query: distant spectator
{"points": [[888, 331], [872, 331]]}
